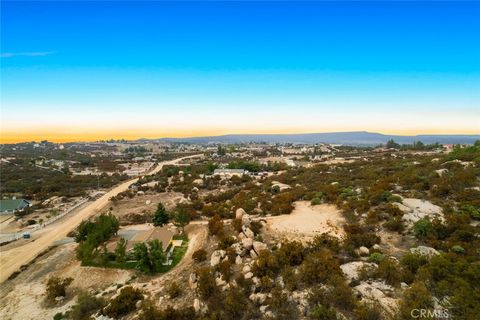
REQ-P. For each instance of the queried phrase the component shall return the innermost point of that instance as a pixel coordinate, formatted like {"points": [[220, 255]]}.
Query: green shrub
{"points": [[206, 283], [388, 270], [58, 316], [472, 211], [395, 224], [86, 305], [422, 228], [411, 262], [458, 249], [215, 226], [57, 287], [200, 255], [416, 297], [376, 257], [320, 312], [318, 267], [368, 312], [174, 290], [124, 303], [151, 312]]}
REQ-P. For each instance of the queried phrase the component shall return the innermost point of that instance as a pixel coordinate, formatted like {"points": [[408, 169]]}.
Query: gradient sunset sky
{"points": [[97, 70]]}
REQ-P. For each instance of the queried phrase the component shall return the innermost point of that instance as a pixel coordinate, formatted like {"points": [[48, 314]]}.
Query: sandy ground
{"points": [[307, 221], [145, 203], [23, 297], [13, 259], [337, 161]]}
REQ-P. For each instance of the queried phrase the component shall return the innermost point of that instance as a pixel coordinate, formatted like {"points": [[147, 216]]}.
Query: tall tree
{"points": [[150, 256], [161, 216], [182, 218], [121, 250], [391, 144]]}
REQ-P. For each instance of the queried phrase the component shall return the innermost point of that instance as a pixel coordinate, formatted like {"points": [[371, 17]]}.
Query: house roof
{"points": [[161, 234], [229, 171], [13, 204]]}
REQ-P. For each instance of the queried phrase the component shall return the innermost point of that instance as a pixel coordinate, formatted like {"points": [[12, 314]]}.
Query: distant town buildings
{"points": [[229, 172]]}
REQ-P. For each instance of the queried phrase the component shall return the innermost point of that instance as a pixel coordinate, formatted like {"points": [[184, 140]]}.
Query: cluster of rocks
{"points": [[246, 249], [416, 209], [352, 270], [424, 251], [378, 292], [247, 245]]}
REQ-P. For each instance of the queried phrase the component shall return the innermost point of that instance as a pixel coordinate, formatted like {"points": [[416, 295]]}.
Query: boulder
{"points": [[192, 280], [253, 254], [238, 260], [246, 269], [352, 269], [441, 172], [247, 243], [416, 209], [374, 292], [259, 246], [248, 275], [280, 186], [424, 251], [280, 282], [258, 298], [376, 246], [216, 257], [240, 213], [198, 182], [198, 306], [220, 282], [263, 309], [363, 251], [300, 297], [240, 250], [248, 232], [257, 211], [246, 220]]}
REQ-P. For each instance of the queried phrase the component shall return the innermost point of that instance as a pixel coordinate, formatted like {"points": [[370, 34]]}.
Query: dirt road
{"points": [[12, 260]]}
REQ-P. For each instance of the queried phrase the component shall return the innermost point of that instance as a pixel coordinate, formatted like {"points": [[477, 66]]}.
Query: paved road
{"points": [[13, 259]]}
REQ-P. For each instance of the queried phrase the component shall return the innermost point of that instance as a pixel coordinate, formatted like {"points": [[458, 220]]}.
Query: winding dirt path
{"points": [[11, 260]]}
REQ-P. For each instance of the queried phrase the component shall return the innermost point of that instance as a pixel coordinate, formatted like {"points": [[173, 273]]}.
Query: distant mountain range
{"points": [[355, 138]]}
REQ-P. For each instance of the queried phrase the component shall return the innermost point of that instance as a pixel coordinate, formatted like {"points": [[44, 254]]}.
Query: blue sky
{"points": [[133, 69]]}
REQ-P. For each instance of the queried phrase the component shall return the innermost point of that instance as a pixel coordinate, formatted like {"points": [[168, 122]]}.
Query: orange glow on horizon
{"points": [[63, 135]]}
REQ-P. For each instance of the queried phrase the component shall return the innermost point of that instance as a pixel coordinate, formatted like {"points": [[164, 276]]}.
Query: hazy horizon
{"points": [[86, 71]]}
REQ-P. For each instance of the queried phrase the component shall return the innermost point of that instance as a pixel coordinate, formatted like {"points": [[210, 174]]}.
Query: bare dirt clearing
{"points": [[144, 204], [307, 221]]}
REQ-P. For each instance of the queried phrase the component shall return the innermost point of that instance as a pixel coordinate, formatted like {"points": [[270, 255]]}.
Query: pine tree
{"points": [[161, 216]]}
